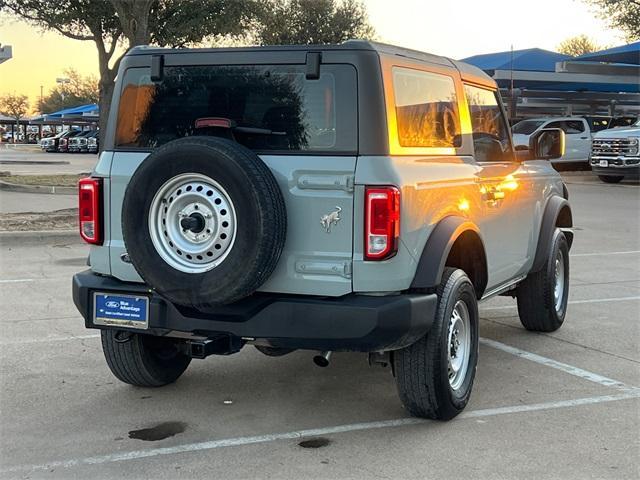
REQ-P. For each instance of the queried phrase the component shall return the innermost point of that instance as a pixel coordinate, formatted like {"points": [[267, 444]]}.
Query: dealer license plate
{"points": [[121, 310]]}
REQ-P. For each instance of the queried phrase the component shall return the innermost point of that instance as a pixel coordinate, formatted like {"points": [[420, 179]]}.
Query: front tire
{"points": [[435, 375], [542, 296], [610, 178], [143, 360]]}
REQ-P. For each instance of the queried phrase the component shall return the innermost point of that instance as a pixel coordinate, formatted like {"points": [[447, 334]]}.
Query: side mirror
{"points": [[547, 144]]}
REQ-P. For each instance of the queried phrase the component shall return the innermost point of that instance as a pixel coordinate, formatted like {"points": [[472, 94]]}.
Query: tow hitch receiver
{"points": [[220, 345]]}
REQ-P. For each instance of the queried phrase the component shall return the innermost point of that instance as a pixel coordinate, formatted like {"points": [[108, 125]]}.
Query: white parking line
{"points": [[18, 280], [599, 254], [573, 302], [354, 427], [548, 362], [48, 340]]}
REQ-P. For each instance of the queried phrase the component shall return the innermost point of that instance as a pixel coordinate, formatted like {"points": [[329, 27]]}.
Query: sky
{"points": [[454, 28]]}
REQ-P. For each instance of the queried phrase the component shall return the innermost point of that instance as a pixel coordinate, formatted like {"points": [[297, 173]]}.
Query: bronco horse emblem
{"points": [[331, 219]]}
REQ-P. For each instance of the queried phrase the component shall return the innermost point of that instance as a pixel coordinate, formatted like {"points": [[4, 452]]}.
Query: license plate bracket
{"points": [[128, 311]]}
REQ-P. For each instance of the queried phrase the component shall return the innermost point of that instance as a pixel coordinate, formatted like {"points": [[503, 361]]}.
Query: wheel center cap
{"points": [[194, 222]]}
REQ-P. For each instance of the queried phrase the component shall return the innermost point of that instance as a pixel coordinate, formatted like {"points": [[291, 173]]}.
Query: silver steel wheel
{"points": [[192, 223], [558, 291], [459, 343]]}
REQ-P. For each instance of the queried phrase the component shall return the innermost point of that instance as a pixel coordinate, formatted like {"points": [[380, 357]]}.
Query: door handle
{"points": [[583, 138], [492, 194]]}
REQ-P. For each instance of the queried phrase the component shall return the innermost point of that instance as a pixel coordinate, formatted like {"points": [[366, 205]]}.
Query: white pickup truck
{"points": [[576, 130], [615, 153]]}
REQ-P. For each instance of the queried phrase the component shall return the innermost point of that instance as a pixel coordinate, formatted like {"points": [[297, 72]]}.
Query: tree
{"points": [[79, 90], [16, 107], [86, 20], [621, 14], [178, 23], [132, 22], [292, 22], [578, 45]]}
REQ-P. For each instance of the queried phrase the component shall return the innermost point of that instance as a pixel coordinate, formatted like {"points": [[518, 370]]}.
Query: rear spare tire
{"points": [[203, 221]]}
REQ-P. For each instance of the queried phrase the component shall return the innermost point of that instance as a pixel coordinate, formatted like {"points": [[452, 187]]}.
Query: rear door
{"points": [[304, 129]]}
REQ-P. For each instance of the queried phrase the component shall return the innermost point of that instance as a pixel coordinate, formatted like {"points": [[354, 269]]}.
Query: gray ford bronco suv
{"points": [[353, 197]]}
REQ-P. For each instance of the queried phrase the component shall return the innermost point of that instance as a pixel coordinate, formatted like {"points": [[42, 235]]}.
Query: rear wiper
{"points": [[256, 130]]}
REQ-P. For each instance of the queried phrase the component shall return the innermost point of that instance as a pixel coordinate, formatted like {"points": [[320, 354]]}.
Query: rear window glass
{"points": [[426, 109], [269, 108]]}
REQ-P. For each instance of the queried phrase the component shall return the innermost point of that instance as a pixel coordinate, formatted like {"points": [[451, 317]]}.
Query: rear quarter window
{"points": [[270, 108], [426, 109]]}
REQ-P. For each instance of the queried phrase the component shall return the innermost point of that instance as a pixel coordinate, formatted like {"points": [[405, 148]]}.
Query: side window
{"points": [[560, 125], [574, 126], [491, 139], [426, 109]]}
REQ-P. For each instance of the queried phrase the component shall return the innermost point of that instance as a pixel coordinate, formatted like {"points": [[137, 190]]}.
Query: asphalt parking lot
{"points": [[562, 405]]}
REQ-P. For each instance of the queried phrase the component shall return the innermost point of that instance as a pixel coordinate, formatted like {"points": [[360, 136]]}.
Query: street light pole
{"points": [[63, 81]]}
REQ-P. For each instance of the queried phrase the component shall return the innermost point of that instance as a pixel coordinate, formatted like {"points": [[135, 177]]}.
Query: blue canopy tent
{"points": [[549, 83], [82, 114], [531, 59], [627, 54]]}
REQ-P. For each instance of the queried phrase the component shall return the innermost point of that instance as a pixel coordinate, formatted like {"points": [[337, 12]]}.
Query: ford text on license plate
{"points": [[121, 310]]}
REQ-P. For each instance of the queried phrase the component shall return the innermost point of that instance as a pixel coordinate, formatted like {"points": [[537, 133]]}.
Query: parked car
{"points": [[50, 144], [93, 142], [615, 154], [9, 137], [63, 141], [321, 198], [577, 135], [79, 142]]}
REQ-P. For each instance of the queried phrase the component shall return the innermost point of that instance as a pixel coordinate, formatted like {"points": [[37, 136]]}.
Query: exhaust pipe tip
{"points": [[322, 359]]}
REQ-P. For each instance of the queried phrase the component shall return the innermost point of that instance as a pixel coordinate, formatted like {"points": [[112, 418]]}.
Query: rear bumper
{"points": [[349, 323]]}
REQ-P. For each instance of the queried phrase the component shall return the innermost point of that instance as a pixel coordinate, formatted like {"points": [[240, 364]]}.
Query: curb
{"points": [[39, 237], [50, 189]]}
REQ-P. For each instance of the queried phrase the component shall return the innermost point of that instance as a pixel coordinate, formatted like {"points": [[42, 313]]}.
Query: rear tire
{"points": [[429, 384], [542, 296], [610, 178], [143, 360]]}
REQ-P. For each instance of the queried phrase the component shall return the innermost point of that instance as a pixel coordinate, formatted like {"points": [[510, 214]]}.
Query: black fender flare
{"points": [[436, 251], [557, 213]]}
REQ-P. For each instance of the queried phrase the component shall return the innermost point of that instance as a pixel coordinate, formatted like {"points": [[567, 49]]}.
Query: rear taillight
{"points": [[382, 222], [89, 212]]}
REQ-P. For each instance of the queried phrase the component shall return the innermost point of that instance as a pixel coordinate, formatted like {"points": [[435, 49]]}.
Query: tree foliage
{"points": [[14, 106], [130, 23], [578, 45], [179, 23], [79, 90], [292, 22], [621, 14]]}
